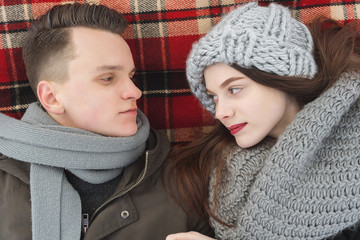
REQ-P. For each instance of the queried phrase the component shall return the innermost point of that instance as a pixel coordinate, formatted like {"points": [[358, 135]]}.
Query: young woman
{"points": [[283, 161]]}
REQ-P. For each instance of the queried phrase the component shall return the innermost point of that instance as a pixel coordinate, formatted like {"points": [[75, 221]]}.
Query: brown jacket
{"points": [[140, 208]]}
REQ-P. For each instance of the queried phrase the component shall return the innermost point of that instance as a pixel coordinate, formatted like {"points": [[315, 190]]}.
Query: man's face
{"points": [[99, 95]]}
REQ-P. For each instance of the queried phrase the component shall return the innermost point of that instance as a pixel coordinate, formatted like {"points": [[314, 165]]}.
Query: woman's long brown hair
{"points": [[337, 50]]}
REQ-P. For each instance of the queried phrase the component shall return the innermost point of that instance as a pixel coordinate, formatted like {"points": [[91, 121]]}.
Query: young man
{"points": [[83, 161]]}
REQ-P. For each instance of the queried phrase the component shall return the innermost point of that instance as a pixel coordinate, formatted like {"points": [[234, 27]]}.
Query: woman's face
{"points": [[249, 110]]}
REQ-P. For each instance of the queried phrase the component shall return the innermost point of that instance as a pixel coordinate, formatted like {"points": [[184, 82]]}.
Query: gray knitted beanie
{"points": [[266, 38]]}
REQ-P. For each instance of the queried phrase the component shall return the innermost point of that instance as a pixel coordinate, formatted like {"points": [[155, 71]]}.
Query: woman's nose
{"points": [[223, 110]]}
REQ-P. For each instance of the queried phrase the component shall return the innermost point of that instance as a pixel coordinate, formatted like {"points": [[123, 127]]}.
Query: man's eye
{"points": [[135, 79], [107, 79]]}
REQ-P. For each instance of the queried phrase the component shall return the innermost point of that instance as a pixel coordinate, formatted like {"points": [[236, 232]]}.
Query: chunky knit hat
{"points": [[266, 38]]}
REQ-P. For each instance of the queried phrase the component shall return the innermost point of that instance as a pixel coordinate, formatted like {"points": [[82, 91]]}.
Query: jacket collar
{"points": [[158, 148]]}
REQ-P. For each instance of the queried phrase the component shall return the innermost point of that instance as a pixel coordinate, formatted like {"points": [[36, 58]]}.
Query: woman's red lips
{"points": [[234, 129]]}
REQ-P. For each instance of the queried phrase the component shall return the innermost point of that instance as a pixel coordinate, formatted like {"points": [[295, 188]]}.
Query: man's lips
{"points": [[234, 129], [130, 110]]}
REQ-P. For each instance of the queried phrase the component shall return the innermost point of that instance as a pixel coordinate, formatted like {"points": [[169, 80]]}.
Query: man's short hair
{"points": [[48, 48]]}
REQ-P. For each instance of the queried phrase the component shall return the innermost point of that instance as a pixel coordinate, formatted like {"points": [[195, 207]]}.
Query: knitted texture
{"points": [[51, 148], [306, 185], [266, 38]]}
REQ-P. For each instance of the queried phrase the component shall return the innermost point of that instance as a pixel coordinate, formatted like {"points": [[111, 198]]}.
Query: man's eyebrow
{"points": [[112, 67], [109, 67]]}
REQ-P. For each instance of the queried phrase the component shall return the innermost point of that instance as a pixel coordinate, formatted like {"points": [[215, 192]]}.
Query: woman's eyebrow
{"points": [[229, 80], [225, 83]]}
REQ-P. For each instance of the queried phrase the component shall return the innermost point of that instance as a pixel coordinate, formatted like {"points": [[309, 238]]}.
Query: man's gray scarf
{"points": [[306, 185], [51, 148]]}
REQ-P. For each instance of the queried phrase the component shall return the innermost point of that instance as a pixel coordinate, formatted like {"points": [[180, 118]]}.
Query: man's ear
{"points": [[46, 92]]}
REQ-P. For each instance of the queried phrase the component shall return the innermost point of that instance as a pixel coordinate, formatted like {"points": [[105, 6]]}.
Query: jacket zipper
{"points": [[125, 190], [85, 222]]}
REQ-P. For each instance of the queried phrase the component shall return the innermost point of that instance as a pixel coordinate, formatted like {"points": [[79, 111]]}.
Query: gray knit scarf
{"points": [[306, 185], [51, 148]]}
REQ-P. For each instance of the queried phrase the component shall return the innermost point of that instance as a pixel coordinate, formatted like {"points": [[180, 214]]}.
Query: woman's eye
{"points": [[234, 90]]}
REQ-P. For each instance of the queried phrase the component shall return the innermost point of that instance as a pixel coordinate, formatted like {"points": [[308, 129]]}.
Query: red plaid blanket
{"points": [[160, 36]]}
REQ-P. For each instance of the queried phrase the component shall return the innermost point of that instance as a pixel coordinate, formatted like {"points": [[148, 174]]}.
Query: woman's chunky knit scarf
{"points": [[306, 185]]}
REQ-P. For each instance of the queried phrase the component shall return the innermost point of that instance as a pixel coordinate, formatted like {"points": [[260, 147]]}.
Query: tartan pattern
{"points": [[160, 35]]}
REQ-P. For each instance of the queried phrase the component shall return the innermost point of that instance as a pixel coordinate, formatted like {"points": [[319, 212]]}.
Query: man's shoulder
{"points": [[13, 168], [14, 182]]}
